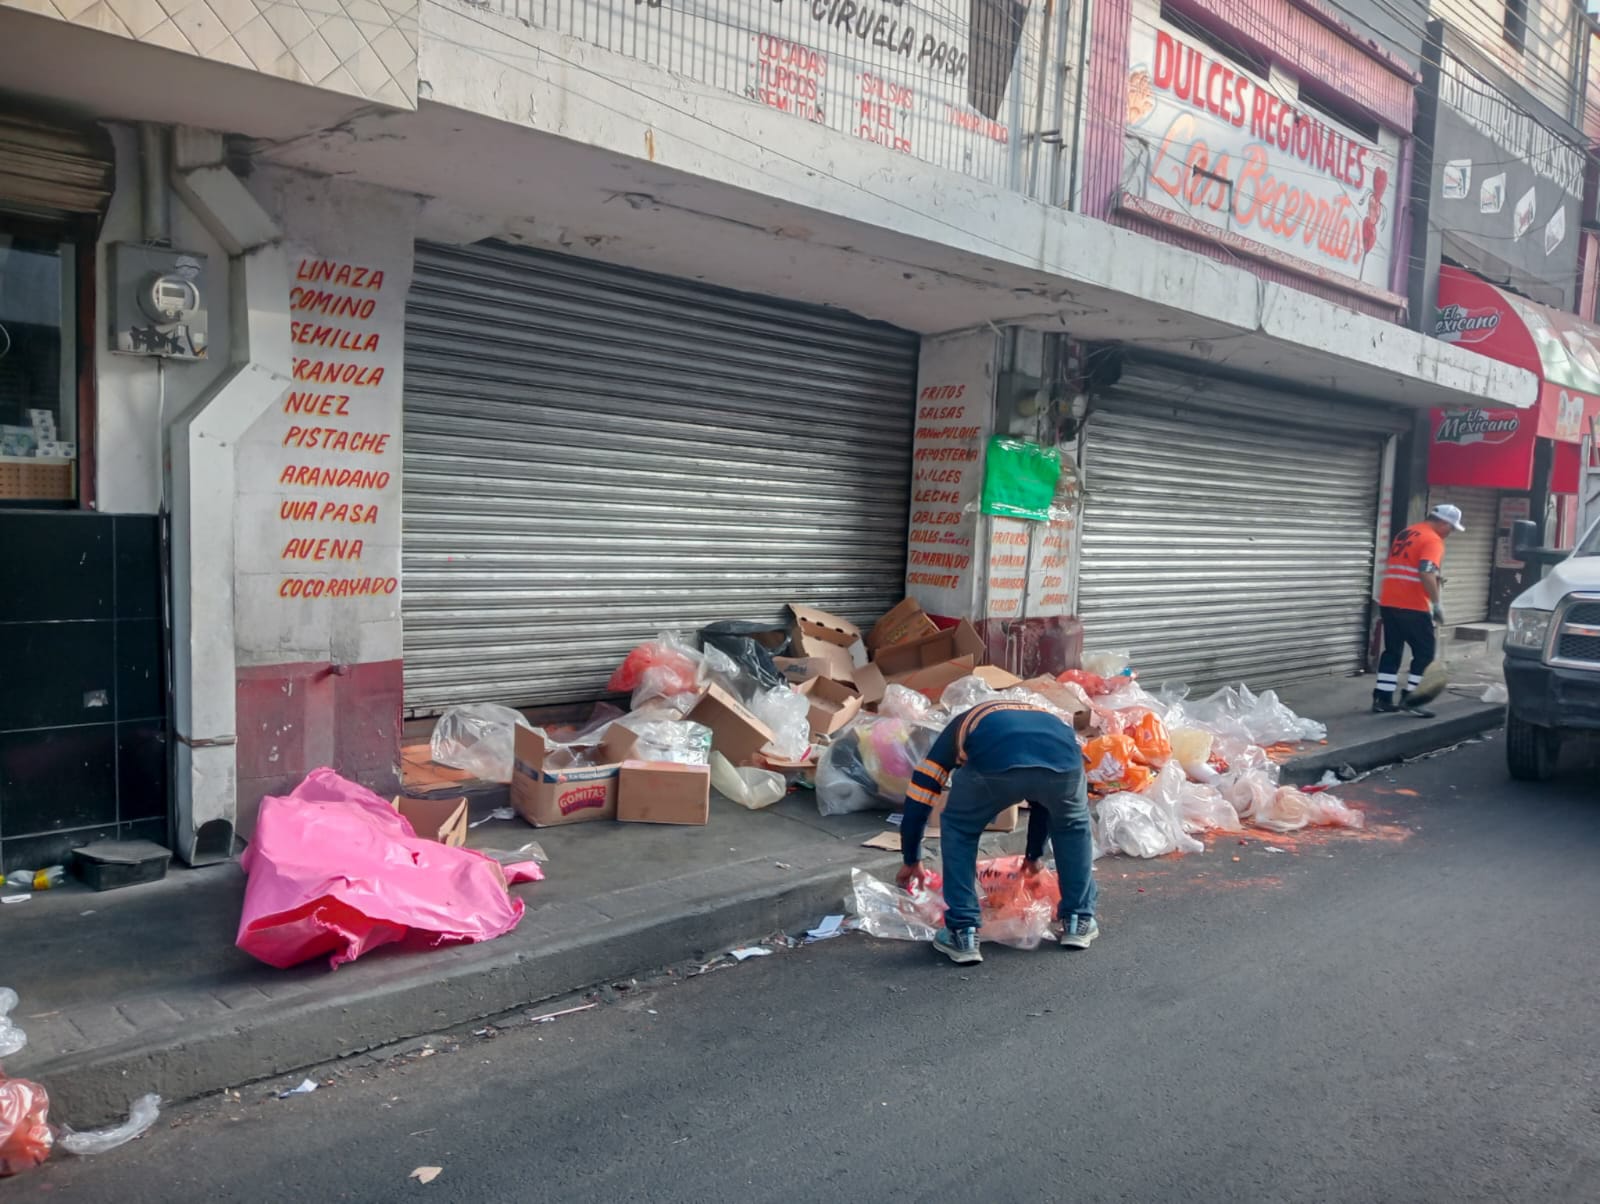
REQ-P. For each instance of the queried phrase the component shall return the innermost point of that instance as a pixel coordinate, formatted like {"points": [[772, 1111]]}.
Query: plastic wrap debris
{"points": [[12, 1038], [902, 702], [335, 870], [1107, 664], [752, 788], [1236, 711], [1111, 764], [25, 1137], [1092, 684], [965, 693], [788, 713], [522, 864], [478, 738], [1496, 694], [670, 654], [1141, 826], [1330, 812], [1017, 909], [1199, 808], [677, 741], [890, 750], [1288, 810]]}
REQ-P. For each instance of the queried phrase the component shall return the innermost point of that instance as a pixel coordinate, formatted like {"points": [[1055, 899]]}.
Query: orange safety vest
{"points": [[1402, 577]]}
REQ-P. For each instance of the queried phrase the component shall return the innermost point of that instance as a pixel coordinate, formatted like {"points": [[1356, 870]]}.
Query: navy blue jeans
{"points": [[975, 799]]}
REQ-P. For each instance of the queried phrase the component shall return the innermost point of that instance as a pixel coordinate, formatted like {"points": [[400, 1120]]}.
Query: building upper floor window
{"points": [[38, 367], [1515, 25]]}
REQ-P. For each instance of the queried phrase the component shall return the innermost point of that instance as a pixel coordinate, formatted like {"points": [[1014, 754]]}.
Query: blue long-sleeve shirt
{"points": [[992, 737]]}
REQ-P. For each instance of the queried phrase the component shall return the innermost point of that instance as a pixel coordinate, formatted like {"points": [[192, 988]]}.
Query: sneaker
{"points": [[1382, 707], [1078, 932], [959, 945]]}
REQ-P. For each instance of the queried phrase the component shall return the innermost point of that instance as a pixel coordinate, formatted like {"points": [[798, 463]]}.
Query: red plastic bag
{"points": [[1149, 736], [1017, 907], [1092, 684], [25, 1137], [679, 668]]}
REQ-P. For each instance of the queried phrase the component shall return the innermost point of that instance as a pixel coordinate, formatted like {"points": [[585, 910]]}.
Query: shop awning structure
{"points": [[1494, 449]]}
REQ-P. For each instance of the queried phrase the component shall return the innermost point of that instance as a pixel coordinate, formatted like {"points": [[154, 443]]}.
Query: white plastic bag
{"points": [[479, 738], [1199, 808], [788, 714], [902, 702], [12, 1038], [1330, 812], [1288, 810], [752, 788], [1141, 827], [98, 1141], [965, 693], [1107, 664]]}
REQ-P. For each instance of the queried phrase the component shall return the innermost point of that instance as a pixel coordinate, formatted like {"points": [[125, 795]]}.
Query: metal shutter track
{"points": [[1219, 547], [1469, 554], [593, 455]]}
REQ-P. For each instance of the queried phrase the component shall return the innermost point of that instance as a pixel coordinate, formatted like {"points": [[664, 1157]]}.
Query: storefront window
{"points": [[38, 368]]}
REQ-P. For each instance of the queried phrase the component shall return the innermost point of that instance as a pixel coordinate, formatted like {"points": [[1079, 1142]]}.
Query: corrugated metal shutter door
{"points": [[593, 455], [1221, 547], [1469, 554], [52, 172]]}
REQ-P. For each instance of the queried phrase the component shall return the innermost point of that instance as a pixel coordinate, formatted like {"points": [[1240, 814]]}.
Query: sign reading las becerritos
{"points": [[1221, 153]]}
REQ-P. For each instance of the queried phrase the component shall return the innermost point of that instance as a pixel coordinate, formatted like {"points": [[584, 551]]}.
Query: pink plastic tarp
{"points": [[335, 869]]}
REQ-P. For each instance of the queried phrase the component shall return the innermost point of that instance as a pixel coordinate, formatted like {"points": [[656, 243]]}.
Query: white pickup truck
{"points": [[1552, 655]]}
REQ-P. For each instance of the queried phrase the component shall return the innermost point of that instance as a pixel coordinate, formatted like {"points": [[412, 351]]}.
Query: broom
{"points": [[1435, 680]]}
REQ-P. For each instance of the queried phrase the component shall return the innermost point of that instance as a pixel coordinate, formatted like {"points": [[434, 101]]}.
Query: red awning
{"points": [[1494, 448]]}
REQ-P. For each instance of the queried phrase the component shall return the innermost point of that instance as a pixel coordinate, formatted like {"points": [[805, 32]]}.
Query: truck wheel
{"points": [[1532, 752]]}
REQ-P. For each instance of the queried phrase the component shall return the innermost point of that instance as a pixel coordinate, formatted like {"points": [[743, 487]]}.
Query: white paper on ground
{"points": [[831, 926], [749, 952], [306, 1087]]}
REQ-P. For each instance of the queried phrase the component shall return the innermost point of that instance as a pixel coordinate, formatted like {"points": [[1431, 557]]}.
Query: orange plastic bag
{"points": [[1092, 684], [1149, 736], [679, 668], [1112, 763], [25, 1138], [1017, 907]]}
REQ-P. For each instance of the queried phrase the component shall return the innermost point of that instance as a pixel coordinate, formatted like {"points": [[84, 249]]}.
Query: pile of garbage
{"points": [[753, 709], [27, 1137]]}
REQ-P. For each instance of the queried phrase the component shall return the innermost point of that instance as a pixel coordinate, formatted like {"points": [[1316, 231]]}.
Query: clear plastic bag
{"points": [[12, 1038], [141, 1116], [902, 702], [752, 788], [1288, 810], [788, 714], [965, 693], [479, 738], [25, 1137], [1191, 749], [677, 741], [1199, 808], [1330, 812], [843, 784], [1107, 664], [1234, 711], [676, 663], [1141, 827], [1017, 909], [889, 913]]}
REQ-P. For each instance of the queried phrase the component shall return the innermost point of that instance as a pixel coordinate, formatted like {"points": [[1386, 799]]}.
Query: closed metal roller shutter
{"points": [[593, 455], [53, 172], [1227, 534], [1469, 554]]}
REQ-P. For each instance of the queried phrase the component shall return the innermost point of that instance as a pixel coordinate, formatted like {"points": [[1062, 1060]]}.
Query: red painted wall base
{"points": [[295, 718]]}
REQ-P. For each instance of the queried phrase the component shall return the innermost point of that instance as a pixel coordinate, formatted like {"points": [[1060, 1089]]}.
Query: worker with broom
{"points": [[1411, 604]]}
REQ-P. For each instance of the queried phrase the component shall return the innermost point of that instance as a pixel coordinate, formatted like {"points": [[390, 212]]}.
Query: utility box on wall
{"points": [[158, 302]]}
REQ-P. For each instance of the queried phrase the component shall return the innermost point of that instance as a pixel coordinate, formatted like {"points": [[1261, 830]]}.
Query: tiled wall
{"points": [[83, 730]]}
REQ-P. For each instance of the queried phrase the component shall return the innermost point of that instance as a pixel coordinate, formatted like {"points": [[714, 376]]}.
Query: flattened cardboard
{"points": [[931, 682], [833, 704], [995, 677], [735, 732], [906, 622], [961, 640], [659, 792], [546, 797], [441, 819]]}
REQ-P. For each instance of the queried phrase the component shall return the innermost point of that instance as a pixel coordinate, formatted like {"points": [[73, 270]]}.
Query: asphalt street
{"points": [[1404, 1015]]}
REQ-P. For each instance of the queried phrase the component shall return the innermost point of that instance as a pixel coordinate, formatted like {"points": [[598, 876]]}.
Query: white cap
{"points": [[1448, 514]]}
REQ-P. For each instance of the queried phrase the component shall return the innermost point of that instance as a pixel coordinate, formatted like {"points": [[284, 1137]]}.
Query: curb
{"points": [[1401, 745]]}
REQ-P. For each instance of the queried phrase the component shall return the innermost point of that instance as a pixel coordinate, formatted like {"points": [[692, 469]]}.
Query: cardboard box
{"points": [[547, 794], [816, 633], [441, 819], [1006, 821], [833, 704], [907, 621], [1053, 690], [660, 792], [735, 732], [961, 640], [799, 670]]}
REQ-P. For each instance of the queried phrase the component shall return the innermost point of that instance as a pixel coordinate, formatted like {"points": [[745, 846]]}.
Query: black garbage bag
{"points": [[751, 647]]}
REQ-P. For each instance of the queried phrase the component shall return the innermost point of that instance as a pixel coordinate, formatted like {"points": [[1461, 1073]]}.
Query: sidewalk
{"points": [[142, 989]]}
